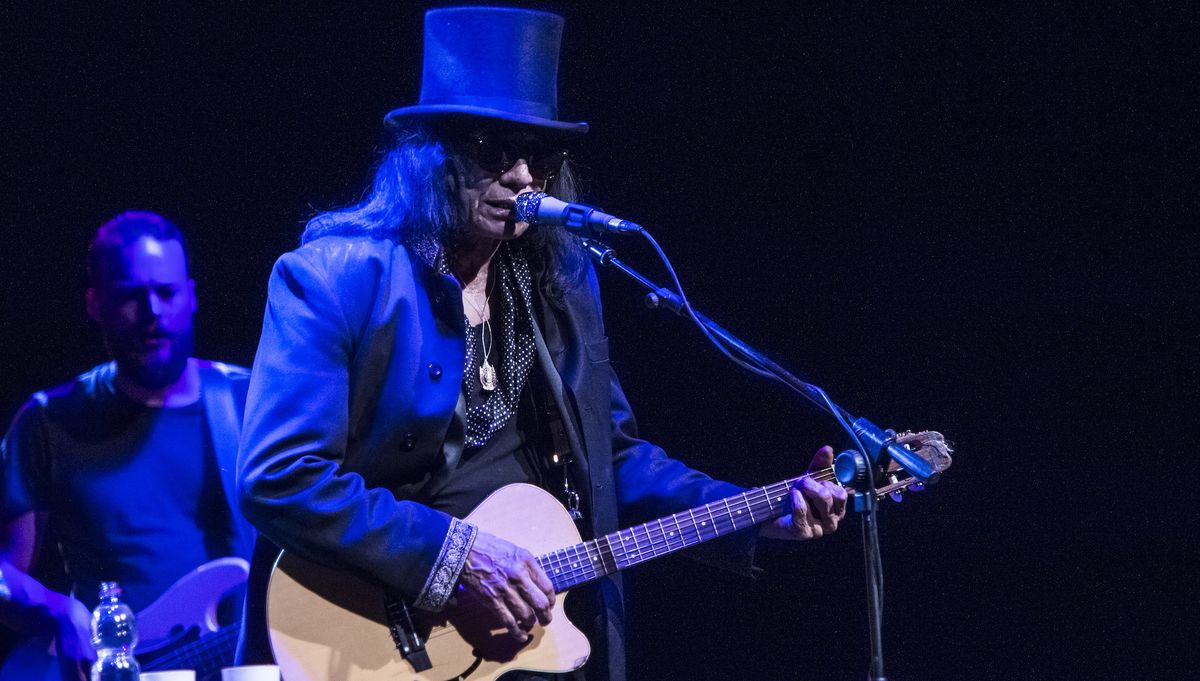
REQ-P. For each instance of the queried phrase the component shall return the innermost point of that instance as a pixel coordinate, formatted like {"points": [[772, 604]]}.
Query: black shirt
{"points": [[132, 492]]}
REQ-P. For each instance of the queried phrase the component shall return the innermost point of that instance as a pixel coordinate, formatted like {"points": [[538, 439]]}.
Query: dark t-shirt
{"points": [[504, 459], [132, 492]]}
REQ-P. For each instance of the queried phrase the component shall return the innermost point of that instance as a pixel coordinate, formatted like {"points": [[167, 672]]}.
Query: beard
{"points": [[155, 370]]}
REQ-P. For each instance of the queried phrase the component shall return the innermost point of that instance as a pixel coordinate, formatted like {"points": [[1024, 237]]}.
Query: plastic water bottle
{"points": [[114, 634]]}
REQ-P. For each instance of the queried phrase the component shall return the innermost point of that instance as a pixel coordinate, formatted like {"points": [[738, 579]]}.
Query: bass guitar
{"points": [[327, 625], [179, 630]]}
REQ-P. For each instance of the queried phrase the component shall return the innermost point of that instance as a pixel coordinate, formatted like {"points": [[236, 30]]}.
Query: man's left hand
{"points": [[817, 507]]}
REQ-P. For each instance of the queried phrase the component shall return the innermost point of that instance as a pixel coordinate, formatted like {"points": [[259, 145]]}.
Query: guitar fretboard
{"points": [[581, 563], [206, 655]]}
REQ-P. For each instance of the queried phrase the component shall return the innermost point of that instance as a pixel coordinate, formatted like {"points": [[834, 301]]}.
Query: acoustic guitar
{"points": [[327, 625], [179, 630]]}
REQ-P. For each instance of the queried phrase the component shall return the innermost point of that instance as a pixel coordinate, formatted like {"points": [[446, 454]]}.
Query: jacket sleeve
{"points": [[651, 485], [291, 484]]}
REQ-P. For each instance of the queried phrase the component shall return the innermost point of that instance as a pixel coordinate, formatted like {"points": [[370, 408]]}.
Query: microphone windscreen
{"points": [[527, 205]]}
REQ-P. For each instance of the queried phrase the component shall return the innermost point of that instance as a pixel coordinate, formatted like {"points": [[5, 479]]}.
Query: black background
{"points": [[963, 217]]}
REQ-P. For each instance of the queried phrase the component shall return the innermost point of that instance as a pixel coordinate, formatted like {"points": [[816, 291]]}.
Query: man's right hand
{"points": [[73, 638], [33, 610], [508, 580]]}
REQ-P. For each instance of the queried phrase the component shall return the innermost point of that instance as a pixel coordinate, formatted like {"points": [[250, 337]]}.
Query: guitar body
{"points": [[329, 625], [190, 605], [326, 625], [185, 611]]}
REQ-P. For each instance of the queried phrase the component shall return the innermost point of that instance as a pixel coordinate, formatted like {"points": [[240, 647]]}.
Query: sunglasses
{"points": [[499, 156]]}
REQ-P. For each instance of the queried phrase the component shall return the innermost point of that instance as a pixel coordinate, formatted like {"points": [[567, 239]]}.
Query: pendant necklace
{"points": [[487, 372]]}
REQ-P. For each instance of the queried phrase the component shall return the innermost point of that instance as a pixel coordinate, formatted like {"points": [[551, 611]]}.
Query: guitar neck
{"points": [[590, 560], [208, 654]]}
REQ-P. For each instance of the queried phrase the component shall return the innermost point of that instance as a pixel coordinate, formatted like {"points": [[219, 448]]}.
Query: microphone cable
{"points": [[873, 562]]}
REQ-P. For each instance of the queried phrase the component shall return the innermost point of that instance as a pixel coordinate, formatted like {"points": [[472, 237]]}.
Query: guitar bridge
{"points": [[405, 635]]}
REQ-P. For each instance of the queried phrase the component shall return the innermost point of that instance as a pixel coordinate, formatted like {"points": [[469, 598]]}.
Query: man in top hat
{"points": [[423, 348]]}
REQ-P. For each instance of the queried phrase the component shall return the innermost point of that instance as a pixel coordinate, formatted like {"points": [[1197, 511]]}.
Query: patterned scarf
{"points": [[512, 355]]}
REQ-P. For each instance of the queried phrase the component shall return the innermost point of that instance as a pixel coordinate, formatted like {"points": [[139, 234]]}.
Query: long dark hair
{"points": [[410, 203]]}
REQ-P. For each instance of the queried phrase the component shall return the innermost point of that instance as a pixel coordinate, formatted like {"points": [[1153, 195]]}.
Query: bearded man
{"points": [[124, 473]]}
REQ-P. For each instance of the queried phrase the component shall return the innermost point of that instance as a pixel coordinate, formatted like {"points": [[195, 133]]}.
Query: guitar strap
{"points": [[551, 411], [225, 430]]}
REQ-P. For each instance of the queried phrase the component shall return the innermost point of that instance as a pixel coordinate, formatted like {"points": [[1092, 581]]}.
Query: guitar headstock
{"points": [[931, 446]]}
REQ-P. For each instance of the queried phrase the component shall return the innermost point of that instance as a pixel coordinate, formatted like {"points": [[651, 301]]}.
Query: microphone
{"points": [[537, 208]]}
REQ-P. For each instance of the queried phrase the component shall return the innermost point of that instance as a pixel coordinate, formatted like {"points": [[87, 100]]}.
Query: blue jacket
{"points": [[353, 388]]}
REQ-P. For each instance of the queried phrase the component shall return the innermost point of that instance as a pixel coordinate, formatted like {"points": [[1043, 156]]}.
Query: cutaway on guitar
{"points": [[327, 625]]}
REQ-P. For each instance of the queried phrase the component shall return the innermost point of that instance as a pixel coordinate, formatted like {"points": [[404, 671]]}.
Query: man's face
{"points": [[144, 301], [499, 166]]}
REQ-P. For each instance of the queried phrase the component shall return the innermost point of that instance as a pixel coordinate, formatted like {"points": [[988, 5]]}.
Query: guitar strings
{"points": [[627, 548], [590, 565], [583, 567], [655, 545], [210, 649]]}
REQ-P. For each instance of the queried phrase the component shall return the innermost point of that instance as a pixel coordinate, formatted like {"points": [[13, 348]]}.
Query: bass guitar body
{"points": [[179, 630], [326, 625]]}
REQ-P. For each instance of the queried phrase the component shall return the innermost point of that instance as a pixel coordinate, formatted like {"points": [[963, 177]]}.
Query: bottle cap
{"points": [[110, 590]]}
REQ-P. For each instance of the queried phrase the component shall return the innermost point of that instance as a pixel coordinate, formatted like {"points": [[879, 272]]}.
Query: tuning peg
{"points": [[896, 496]]}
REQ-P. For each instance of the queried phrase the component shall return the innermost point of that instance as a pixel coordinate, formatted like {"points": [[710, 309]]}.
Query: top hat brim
{"points": [[399, 118]]}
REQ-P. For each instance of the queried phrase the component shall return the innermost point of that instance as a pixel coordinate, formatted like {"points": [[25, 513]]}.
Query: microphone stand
{"points": [[877, 447]]}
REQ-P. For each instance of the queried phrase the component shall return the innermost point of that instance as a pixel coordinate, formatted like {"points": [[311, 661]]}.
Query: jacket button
{"points": [[435, 371], [408, 443]]}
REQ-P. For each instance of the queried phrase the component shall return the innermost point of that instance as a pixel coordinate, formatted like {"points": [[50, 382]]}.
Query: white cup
{"points": [[253, 672], [170, 675]]}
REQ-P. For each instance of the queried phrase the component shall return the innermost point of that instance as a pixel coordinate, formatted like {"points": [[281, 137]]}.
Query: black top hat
{"points": [[490, 62]]}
